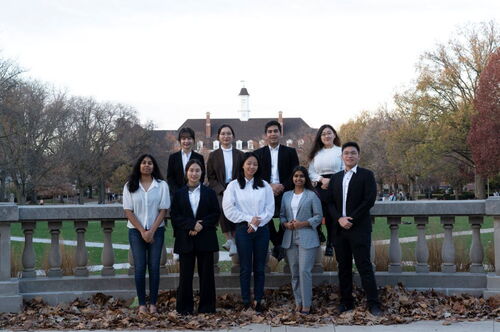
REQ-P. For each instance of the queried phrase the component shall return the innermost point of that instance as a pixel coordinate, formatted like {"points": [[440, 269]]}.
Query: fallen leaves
{"points": [[400, 306]]}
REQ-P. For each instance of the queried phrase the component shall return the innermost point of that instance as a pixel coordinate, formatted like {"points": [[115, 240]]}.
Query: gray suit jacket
{"points": [[309, 210]]}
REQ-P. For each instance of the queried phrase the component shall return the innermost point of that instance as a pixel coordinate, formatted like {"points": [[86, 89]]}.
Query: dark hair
{"points": [[257, 178], [353, 144], [133, 179], [186, 131], [189, 164], [308, 184], [272, 123], [318, 145], [225, 126]]}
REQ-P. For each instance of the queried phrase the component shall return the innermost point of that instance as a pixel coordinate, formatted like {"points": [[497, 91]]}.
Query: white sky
{"points": [[321, 60]]}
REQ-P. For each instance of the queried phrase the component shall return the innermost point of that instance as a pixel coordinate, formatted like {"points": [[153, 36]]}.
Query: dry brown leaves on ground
{"points": [[400, 306]]}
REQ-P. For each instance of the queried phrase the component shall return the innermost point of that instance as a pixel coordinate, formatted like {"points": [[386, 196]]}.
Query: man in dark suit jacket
{"points": [[178, 160], [352, 193], [277, 162]]}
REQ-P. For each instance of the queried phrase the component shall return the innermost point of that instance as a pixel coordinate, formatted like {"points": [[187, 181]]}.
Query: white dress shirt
{"points": [[194, 199], [294, 204], [185, 159], [345, 187], [228, 163], [326, 161], [240, 205], [147, 204], [275, 176]]}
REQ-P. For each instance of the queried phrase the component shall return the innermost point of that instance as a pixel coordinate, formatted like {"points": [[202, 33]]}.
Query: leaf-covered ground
{"points": [[400, 306]]}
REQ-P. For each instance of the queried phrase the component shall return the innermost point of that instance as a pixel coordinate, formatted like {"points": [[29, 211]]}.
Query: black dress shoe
{"points": [[246, 305], [279, 253], [260, 307], [329, 250], [345, 307], [375, 310]]}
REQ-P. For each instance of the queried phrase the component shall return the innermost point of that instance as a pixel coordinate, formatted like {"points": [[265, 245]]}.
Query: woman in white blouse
{"points": [[325, 160], [249, 203], [146, 200], [195, 212]]}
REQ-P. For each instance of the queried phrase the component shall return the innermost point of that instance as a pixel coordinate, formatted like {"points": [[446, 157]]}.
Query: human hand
{"points": [[250, 229], [288, 225], [147, 236], [193, 233], [324, 183], [345, 222], [198, 227], [255, 221]]}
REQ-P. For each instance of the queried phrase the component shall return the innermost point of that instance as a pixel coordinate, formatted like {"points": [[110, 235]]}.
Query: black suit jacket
{"points": [[287, 160], [175, 171], [184, 221], [361, 196]]}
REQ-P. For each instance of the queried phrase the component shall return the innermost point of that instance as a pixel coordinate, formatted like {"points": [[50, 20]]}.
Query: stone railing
{"points": [[54, 287]]}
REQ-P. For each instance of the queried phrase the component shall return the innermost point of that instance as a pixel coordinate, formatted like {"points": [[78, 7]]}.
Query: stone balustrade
{"points": [[80, 215]]}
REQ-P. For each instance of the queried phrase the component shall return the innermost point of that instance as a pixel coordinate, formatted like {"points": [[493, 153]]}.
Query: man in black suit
{"points": [[352, 194], [276, 163], [178, 160]]}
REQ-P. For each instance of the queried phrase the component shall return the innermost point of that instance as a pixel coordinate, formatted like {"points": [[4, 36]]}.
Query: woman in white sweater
{"points": [[325, 160]]}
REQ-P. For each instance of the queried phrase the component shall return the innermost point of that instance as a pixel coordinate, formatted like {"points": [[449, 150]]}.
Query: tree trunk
{"points": [[102, 192], [90, 192], [479, 184], [3, 198]]}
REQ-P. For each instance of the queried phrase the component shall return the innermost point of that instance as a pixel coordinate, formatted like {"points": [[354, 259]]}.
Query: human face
{"points": [[250, 167], [299, 179], [350, 156], [226, 137], [147, 166], [327, 137], [187, 143], [193, 174], [273, 135]]}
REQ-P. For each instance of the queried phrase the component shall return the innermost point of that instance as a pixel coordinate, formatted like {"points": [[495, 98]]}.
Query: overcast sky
{"points": [[324, 61]]}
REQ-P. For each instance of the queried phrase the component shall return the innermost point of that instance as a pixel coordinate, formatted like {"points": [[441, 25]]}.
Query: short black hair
{"points": [[186, 131], [189, 164], [353, 144], [225, 126], [272, 123], [257, 177]]}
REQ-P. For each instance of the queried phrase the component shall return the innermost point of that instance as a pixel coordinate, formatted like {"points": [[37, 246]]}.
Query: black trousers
{"points": [[276, 235], [349, 244], [205, 260]]}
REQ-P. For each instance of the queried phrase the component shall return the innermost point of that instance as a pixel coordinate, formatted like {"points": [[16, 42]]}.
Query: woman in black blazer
{"points": [[195, 212], [178, 160]]}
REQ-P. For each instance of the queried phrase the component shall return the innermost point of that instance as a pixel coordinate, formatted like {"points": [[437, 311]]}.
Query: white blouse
{"points": [[294, 204], [326, 161], [228, 163], [146, 205], [242, 205], [194, 199]]}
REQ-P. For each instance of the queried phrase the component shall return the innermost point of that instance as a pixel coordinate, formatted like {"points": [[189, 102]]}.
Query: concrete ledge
{"points": [[9, 212], [10, 299], [10, 287], [71, 212], [429, 208], [492, 285]]}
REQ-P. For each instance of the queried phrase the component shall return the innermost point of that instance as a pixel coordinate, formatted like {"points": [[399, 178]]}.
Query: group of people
{"points": [[245, 192]]}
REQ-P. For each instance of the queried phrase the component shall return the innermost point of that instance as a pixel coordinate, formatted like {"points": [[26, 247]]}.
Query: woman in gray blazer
{"points": [[301, 214]]}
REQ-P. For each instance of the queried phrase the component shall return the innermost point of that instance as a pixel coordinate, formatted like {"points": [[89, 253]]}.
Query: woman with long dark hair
{"points": [[146, 200], [195, 212], [325, 160], [249, 203], [301, 213], [222, 168]]}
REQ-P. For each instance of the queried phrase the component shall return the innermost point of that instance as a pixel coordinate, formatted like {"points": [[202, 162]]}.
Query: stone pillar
{"points": [[421, 249], [216, 262], [28, 251], [394, 246], [131, 269], [318, 261], [5, 250], [108, 256], [81, 255], [372, 249], [476, 249], [55, 252], [163, 259], [448, 249], [235, 264]]}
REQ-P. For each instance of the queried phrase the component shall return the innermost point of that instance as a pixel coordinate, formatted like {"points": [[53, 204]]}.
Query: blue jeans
{"points": [[146, 254], [252, 252]]}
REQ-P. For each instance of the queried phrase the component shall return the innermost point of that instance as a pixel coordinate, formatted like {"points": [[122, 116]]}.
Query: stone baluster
{"points": [[29, 250], [131, 269], [394, 246], [216, 262], [5, 250], [81, 255], [235, 264], [163, 260], [448, 248], [55, 251], [496, 243], [476, 249], [421, 249], [108, 256], [372, 249], [318, 261]]}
